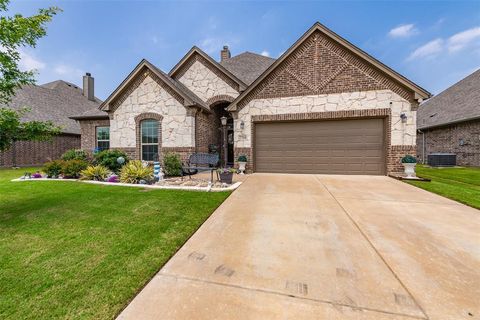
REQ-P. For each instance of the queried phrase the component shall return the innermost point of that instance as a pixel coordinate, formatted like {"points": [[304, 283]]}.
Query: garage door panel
{"points": [[338, 147]]}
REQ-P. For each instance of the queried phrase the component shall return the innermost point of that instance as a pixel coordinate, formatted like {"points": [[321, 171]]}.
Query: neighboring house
{"points": [[450, 122], [54, 101], [324, 106]]}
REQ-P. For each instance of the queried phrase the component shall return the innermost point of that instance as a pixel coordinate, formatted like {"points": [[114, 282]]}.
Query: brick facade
{"points": [[88, 132], [448, 139], [205, 131], [321, 66], [29, 153]]}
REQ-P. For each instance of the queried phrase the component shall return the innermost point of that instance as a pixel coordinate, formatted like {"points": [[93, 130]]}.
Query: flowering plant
{"points": [[113, 178], [226, 170], [36, 175]]}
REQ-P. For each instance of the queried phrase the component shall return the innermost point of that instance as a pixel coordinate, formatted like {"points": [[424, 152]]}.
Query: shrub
{"points": [[72, 168], [172, 165], [108, 158], [242, 158], [97, 173], [409, 159], [53, 168], [37, 175], [134, 171], [74, 154]]}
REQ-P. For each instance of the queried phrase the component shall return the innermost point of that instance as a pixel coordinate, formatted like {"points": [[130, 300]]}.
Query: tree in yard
{"points": [[15, 32]]}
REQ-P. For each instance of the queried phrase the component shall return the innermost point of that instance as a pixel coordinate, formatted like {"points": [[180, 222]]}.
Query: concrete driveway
{"points": [[323, 247]]}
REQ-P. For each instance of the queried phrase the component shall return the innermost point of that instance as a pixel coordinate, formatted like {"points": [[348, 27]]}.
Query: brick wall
{"points": [[29, 153], [447, 139], [205, 131], [88, 131]]}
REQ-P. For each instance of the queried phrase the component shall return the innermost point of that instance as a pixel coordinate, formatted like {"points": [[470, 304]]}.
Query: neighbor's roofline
{"points": [[445, 124], [92, 117], [242, 86], [133, 73], [419, 91]]}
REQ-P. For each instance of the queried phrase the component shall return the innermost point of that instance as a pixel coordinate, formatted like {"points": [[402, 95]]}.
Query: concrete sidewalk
{"points": [[323, 247]]}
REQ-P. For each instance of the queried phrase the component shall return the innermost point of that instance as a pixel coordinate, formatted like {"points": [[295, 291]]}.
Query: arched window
{"points": [[149, 139]]}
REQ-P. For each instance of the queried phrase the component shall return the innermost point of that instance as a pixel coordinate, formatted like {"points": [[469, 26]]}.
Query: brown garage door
{"points": [[332, 147]]}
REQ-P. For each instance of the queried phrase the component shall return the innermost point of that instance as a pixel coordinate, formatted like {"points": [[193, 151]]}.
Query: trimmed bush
{"points": [[108, 158], [75, 154], [409, 159], [172, 165], [53, 168], [134, 171], [97, 173], [72, 168]]}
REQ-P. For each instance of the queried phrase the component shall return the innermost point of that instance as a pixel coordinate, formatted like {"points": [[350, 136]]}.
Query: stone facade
{"points": [[30, 153], [178, 123], [205, 83], [463, 139], [401, 133]]}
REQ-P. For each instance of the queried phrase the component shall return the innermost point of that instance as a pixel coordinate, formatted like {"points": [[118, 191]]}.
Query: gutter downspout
{"points": [[423, 145]]}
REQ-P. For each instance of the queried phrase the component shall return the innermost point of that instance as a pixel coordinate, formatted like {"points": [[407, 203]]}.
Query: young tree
{"points": [[15, 32]]}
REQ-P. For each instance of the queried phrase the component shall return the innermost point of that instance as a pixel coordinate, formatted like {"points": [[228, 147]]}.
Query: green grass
{"points": [[71, 250], [460, 184]]}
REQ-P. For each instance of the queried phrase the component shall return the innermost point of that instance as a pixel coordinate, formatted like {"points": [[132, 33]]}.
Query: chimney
{"points": [[88, 86], [225, 53]]}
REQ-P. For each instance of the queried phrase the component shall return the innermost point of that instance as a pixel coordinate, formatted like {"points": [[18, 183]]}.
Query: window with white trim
{"points": [[149, 132], [103, 138]]}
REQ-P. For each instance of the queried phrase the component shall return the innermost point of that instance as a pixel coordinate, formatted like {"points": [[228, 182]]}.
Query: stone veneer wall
{"points": [[401, 136], [205, 83], [178, 124], [447, 139], [88, 132], [29, 153]]}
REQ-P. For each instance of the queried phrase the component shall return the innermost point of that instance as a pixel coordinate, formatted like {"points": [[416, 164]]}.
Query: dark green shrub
{"points": [[53, 168], [108, 159], [75, 154], [242, 158], [409, 159], [72, 168], [172, 165]]}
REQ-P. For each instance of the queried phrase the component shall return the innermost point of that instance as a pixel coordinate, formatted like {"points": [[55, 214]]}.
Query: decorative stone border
{"points": [[145, 186]]}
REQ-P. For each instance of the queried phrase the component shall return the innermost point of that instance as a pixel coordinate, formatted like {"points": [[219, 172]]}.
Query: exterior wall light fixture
{"points": [[404, 117]]}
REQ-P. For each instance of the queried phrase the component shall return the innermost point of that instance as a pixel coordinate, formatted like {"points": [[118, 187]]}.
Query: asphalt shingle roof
{"points": [[54, 101], [247, 66], [458, 103]]}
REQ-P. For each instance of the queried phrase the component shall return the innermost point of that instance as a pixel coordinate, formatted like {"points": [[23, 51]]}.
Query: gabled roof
{"points": [[190, 98], [195, 50], [54, 101], [419, 91], [247, 66], [460, 102]]}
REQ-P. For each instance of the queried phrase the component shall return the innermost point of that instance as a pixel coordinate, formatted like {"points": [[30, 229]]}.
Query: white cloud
{"points": [[429, 49], [265, 53], [463, 39], [403, 31], [68, 72], [212, 45], [30, 62]]}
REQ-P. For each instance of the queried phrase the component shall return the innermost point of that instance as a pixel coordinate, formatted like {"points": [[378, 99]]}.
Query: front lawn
{"points": [[71, 250], [460, 184]]}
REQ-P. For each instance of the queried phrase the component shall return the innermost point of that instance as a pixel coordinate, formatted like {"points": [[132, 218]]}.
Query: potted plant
{"points": [[242, 162], [409, 162], [226, 175]]}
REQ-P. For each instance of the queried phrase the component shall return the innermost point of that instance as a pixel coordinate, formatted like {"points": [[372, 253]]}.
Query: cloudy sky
{"points": [[433, 43]]}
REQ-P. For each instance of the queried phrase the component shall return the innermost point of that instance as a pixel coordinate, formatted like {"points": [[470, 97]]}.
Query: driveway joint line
{"points": [[162, 274], [404, 201], [374, 248]]}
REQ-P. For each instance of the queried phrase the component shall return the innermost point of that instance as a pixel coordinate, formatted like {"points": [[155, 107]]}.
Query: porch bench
{"points": [[200, 162]]}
